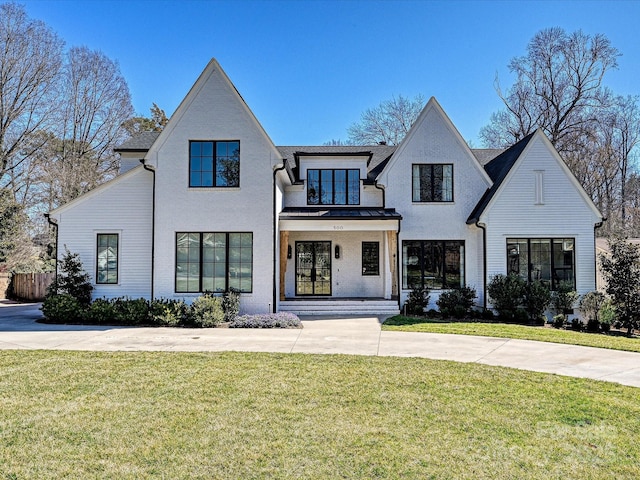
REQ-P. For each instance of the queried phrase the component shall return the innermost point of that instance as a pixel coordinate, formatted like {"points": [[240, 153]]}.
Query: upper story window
{"points": [[214, 164], [432, 182], [333, 187]]}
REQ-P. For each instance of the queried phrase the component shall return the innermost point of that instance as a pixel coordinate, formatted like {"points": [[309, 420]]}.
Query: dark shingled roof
{"points": [[485, 155], [141, 142], [378, 155], [497, 170], [333, 213]]}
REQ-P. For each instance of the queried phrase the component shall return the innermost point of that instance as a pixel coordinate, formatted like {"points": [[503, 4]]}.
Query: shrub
{"points": [[130, 311], [62, 308], [536, 301], [100, 312], [593, 325], [507, 296], [72, 279], [559, 320], [169, 313], [576, 325], [269, 320], [207, 311], [231, 304], [456, 303], [607, 315], [563, 298], [417, 301], [590, 305]]}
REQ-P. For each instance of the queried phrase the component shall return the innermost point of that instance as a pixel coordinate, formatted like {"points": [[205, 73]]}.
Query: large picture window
{"points": [[214, 164], [107, 258], [333, 187], [432, 182], [549, 260], [214, 262], [435, 264]]}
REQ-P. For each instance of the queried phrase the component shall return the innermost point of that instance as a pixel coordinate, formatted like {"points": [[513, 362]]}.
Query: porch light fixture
{"points": [[288, 251], [337, 251]]}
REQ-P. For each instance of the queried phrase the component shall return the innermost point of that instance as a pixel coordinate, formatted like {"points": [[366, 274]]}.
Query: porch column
{"points": [[284, 245], [392, 244]]}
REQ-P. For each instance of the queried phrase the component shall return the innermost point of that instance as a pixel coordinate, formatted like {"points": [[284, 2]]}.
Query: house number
{"points": [[338, 227]]}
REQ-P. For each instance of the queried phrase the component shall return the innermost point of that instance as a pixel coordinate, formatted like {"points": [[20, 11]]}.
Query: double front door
{"points": [[313, 268]]}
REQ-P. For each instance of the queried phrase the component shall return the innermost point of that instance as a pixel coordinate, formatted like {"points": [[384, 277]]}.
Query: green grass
{"points": [[504, 330], [234, 415]]}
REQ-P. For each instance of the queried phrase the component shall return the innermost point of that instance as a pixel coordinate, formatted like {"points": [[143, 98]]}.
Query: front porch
{"points": [[339, 261]]}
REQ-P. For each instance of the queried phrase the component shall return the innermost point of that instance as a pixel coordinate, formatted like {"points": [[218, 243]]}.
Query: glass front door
{"points": [[313, 268]]}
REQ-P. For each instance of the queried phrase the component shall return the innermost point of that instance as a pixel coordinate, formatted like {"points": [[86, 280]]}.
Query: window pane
{"points": [[354, 187], [107, 258], [340, 187], [454, 264], [412, 264], [433, 264], [447, 183], [313, 187], [326, 187], [540, 255]]}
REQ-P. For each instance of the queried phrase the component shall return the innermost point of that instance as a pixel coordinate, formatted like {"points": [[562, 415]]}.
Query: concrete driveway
{"points": [[350, 335]]}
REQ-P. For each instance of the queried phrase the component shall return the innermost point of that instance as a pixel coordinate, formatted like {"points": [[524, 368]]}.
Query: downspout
{"points": [[595, 250], [398, 279], [54, 225], [384, 200], [153, 223], [484, 264], [275, 237]]}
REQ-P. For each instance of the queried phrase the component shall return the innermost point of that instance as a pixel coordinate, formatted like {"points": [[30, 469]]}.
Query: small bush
{"points": [[456, 303], [590, 305], [507, 296], [536, 300], [129, 311], [231, 304], [169, 313], [269, 320], [100, 312], [607, 315], [417, 301], [207, 311], [72, 279], [62, 308], [576, 325], [593, 325], [563, 298], [559, 320]]}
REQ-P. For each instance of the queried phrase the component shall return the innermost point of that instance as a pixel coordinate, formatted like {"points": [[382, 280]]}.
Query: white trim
{"points": [[338, 226]]}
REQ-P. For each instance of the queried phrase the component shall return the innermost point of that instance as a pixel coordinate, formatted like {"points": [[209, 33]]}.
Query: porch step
{"points": [[372, 307]]}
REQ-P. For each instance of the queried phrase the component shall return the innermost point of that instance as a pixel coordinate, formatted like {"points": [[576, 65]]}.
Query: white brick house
{"points": [[211, 203]]}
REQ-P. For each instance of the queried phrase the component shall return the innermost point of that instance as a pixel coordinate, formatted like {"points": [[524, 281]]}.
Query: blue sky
{"points": [[308, 69]]}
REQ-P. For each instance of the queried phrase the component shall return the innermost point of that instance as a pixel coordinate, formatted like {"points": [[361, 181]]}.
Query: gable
{"points": [[535, 187]]}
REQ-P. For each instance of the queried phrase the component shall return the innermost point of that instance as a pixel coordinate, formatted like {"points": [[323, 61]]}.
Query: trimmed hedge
{"points": [[269, 320]]}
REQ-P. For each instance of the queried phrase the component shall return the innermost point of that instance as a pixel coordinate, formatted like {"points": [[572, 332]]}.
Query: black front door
{"points": [[313, 268]]}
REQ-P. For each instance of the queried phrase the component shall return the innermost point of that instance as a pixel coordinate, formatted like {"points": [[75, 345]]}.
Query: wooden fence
{"points": [[30, 286]]}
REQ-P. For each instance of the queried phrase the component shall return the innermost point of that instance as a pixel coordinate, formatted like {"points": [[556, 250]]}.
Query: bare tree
{"points": [[558, 88], [387, 123], [30, 59]]}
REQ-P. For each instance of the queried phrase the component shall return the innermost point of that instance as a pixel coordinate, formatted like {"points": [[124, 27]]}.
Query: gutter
{"points": [[275, 234], [484, 263], [54, 225], [153, 224]]}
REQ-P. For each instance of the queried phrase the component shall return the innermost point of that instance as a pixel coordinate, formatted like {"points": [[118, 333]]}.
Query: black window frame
{"points": [[214, 164], [432, 198], [366, 263], [513, 259], [201, 262], [333, 171], [107, 269], [429, 245]]}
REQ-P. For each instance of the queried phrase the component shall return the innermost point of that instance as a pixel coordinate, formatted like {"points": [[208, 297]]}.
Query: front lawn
{"points": [[613, 341], [126, 415]]}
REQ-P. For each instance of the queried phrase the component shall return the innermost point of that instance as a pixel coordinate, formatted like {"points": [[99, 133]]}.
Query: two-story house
{"points": [[210, 203]]}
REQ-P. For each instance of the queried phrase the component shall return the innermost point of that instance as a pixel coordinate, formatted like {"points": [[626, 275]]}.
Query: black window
{"points": [[214, 262], [432, 182], [107, 258], [333, 187], [549, 260], [214, 164], [370, 258], [433, 264]]}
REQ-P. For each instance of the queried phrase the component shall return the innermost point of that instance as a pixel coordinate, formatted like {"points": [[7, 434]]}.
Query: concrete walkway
{"points": [[353, 335]]}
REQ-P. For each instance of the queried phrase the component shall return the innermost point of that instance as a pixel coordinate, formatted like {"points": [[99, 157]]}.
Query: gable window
{"points": [[432, 182], [333, 187], [370, 258], [107, 258], [549, 260], [433, 264], [214, 163], [214, 262]]}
